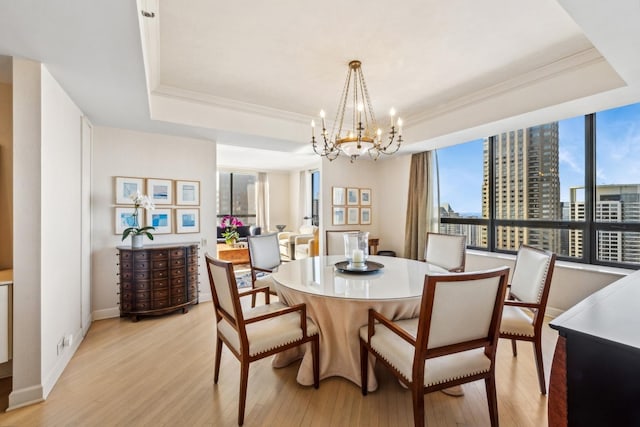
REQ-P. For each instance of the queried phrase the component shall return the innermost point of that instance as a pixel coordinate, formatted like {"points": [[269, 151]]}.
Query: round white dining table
{"points": [[339, 302]]}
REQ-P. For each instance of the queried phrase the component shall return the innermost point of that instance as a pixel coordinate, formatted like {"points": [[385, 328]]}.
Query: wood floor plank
{"points": [[159, 372]]}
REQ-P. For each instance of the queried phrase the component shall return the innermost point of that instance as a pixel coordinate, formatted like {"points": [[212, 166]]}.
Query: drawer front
{"points": [[143, 295], [160, 283], [141, 265], [178, 282], [126, 275], [160, 293], [161, 303], [192, 269], [126, 307], [141, 256], [193, 278], [126, 264], [126, 296], [178, 299], [192, 260], [177, 272], [159, 264], [193, 292], [142, 305], [126, 255], [142, 285], [126, 285], [161, 254], [178, 290], [177, 262], [141, 275], [160, 274], [176, 253]]}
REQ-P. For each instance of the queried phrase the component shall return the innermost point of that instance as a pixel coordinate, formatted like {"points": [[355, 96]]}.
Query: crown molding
{"points": [[231, 104], [569, 64]]}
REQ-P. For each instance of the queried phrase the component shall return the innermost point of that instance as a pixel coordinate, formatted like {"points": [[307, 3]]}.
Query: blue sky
{"points": [[617, 158]]}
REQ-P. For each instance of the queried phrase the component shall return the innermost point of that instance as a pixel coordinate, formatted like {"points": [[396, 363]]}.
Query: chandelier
{"points": [[355, 130]]}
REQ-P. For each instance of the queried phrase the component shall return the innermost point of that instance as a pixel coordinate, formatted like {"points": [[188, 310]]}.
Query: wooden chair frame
{"points": [[239, 323], [255, 269], [538, 310], [422, 353]]}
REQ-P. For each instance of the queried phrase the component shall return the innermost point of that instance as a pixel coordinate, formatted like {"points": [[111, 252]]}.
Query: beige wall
{"points": [[6, 176], [119, 152], [279, 199]]}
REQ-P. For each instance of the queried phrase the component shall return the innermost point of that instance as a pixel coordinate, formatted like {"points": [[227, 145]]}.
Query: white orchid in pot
{"points": [[136, 232]]}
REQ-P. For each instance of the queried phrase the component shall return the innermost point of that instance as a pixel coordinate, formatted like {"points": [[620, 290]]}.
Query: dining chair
{"points": [[523, 313], [446, 251], [334, 242], [453, 341], [258, 332], [264, 257]]}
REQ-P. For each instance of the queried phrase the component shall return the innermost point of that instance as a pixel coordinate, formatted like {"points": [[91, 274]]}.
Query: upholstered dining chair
{"points": [[334, 242], [256, 333], [264, 257], [524, 309], [446, 250], [453, 341]]}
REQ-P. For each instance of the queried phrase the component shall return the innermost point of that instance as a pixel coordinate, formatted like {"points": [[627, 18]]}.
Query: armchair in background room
{"points": [[288, 240]]}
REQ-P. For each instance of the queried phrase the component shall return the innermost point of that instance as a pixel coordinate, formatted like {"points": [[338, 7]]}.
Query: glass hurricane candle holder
{"points": [[356, 249]]}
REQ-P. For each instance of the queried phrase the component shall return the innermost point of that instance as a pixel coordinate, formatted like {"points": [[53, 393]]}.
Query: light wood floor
{"points": [[159, 372]]}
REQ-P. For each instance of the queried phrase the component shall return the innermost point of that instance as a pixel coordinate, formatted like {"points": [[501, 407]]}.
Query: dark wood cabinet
{"points": [[157, 279], [595, 376]]}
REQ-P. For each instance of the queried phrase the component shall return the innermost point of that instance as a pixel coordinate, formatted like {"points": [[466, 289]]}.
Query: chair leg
{"points": [[418, 405], [244, 377], [537, 349], [253, 300], [492, 400], [514, 348], [315, 347], [364, 372], [216, 370]]}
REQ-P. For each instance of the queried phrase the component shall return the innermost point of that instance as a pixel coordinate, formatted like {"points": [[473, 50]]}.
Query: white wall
{"points": [[279, 199], [118, 152], [47, 256], [61, 223]]}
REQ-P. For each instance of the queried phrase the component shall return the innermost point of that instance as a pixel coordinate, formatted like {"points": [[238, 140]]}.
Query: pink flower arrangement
{"points": [[230, 221]]}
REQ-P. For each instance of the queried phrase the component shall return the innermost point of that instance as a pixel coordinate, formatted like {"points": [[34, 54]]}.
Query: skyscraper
{"points": [[526, 185]]}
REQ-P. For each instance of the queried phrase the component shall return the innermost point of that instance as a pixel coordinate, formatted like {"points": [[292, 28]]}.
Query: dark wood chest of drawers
{"points": [[158, 279]]}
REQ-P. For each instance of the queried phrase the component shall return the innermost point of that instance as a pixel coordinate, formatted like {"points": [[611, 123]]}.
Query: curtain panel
{"points": [[419, 206]]}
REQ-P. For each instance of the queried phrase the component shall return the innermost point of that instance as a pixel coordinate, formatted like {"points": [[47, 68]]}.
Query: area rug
{"points": [[243, 278]]}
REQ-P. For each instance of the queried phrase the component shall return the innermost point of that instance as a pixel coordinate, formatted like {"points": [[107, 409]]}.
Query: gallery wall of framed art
{"points": [[351, 206], [177, 204]]}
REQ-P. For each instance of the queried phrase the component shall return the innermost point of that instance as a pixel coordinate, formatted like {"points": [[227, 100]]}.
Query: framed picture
{"points": [[365, 196], [160, 191], [353, 196], [161, 219], [124, 219], [188, 193], [338, 196], [188, 220], [338, 216], [126, 187], [365, 216], [353, 215]]}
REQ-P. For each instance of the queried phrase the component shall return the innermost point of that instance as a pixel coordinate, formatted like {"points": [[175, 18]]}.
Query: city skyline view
{"points": [[461, 170]]}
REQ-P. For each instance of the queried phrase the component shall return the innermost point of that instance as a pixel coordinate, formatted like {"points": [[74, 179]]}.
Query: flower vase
{"points": [[230, 242], [136, 241]]}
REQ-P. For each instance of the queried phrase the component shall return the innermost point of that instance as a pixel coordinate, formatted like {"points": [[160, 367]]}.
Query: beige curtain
{"points": [[419, 206], [262, 202]]}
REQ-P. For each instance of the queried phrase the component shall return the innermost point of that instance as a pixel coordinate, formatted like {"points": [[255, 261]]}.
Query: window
{"points": [[237, 196], [533, 188], [315, 198]]}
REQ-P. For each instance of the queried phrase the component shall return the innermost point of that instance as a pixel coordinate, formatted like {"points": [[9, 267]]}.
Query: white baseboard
{"points": [[552, 312], [106, 313], [25, 397]]}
